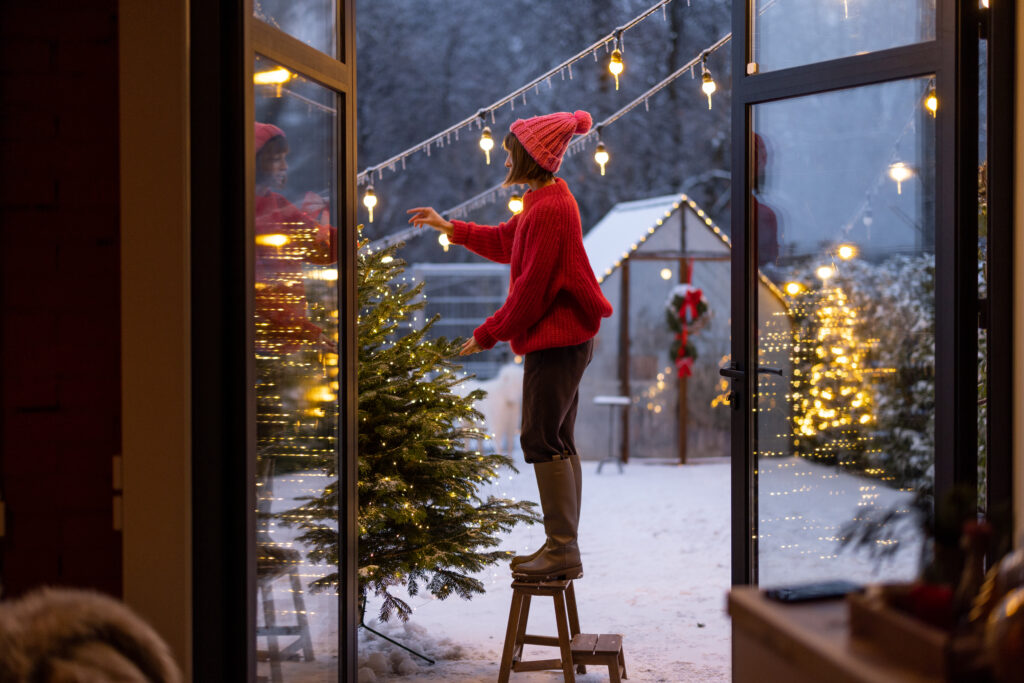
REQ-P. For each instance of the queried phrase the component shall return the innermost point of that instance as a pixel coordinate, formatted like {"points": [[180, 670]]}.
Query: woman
{"points": [[551, 315]]}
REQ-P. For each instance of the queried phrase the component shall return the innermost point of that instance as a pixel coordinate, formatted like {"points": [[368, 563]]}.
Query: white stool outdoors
{"points": [[612, 402]]}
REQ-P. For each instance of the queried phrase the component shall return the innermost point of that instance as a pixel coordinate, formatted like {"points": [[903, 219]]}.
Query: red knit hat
{"points": [[547, 137], [265, 131]]}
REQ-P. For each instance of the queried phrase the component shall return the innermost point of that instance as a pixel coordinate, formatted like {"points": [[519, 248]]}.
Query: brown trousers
{"points": [[551, 381]]}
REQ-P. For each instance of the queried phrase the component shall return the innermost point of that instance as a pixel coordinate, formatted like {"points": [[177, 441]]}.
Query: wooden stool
{"points": [[603, 650], [575, 648]]}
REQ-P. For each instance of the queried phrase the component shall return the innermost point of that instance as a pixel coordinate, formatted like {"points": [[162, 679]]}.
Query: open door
{"points": [[855, 202]]}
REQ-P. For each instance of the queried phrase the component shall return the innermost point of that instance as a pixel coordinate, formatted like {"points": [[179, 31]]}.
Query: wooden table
{"points": [[772, 641]]}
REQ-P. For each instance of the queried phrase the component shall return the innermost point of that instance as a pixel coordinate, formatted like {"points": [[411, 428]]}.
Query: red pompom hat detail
{"points": [[547, 137], [265, 131]]}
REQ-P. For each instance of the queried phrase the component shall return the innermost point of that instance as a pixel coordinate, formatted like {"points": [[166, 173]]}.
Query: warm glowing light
{"points": [[846, 251], [515, 203], [825, 272], [443, 241], [900, 172], [275, 77], [272, 240], [793, 288], [616, 66], [487, 143], [330, 274], [931, 102], [666, 273], [370, 200], [601, 156], [708, 85], [984, 3], [387, 259]]}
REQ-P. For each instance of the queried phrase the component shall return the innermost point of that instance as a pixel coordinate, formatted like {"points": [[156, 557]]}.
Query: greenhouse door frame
{"points": [[952, 57], [225, 39]]}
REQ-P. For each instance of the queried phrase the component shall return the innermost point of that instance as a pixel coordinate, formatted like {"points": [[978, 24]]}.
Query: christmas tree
{"points": [[422, 522], [831, 393]]}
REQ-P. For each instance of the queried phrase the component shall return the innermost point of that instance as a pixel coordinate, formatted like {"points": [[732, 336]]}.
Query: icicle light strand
{"points": [[364, 175]]}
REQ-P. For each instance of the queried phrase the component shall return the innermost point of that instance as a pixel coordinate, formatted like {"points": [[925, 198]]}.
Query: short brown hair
{"points": [[524, 168]]}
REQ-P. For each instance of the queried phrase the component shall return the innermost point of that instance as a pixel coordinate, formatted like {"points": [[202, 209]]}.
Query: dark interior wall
{"points": [[60, 374]]}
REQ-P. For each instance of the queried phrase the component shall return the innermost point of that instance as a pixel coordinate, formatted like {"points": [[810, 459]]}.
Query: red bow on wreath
{"points": [[684, 363]]}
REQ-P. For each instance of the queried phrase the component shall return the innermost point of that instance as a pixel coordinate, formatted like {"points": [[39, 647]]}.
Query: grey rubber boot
{"points": [[577, 473], [560, 557]]}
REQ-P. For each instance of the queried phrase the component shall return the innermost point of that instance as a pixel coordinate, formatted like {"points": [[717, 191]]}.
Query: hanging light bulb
{"points": [[793, 288], [846, 251], [984, 3], [442, 239], [666, 273], [275, 77], [616, 65], [900, 172], [515, 203], [708, 84], [825, 272], [487, 143], [370, 200], [601, 156], [931, 101]]}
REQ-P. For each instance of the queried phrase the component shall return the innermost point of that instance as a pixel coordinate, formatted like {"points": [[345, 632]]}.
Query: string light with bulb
{"points": [[515, 203], [370, 200], [487, 143], [931, 100], [707, 83]]}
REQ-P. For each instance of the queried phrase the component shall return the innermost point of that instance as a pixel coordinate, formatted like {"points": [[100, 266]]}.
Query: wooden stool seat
{"points": [[604, 650], [575, 649]]}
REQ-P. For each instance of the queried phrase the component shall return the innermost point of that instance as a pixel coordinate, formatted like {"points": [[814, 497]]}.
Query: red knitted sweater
{"points": [[553, 298]]}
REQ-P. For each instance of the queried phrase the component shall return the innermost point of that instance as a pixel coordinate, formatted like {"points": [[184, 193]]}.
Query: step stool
{"points": [[575, 648]]}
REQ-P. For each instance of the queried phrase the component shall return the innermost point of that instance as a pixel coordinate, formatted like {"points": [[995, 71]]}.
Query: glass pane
{"points": [[314, 22], [296, 334], [786, 33], [844, 207]]}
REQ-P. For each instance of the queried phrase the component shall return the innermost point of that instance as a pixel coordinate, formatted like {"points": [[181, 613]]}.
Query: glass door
{"points": [[849, 373]]}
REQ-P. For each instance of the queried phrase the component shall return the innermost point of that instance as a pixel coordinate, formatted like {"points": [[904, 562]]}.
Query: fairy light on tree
{"points": [[421, 522]]}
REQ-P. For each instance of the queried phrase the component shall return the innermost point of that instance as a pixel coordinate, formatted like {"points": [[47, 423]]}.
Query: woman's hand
{"points": [[470, 347], [425, 215]]}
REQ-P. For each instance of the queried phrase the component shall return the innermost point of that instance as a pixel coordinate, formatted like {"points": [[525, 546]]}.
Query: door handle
{"points": [[733, 372]]}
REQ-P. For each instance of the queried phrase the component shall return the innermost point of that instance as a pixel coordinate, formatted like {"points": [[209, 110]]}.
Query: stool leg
{"points": [[574, 619], [300, 615], [524, 618], [563, 638], [622, 662], [510, 637], [270, 621]]}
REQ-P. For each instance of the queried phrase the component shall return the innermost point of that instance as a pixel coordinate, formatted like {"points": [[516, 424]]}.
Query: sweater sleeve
{"points": [[493, 242], [534, 289]]}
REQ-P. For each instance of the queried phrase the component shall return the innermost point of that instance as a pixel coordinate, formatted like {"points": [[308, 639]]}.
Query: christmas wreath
{"points": [[686, 312]]}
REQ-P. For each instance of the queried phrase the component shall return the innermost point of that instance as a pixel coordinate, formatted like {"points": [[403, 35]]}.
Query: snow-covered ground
{"points": [[656, 554]]}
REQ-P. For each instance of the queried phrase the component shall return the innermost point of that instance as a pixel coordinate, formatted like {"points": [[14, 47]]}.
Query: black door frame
{"points": [[225, 38], [952, 59]]}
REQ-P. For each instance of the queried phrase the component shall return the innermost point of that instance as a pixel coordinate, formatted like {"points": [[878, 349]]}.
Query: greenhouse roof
{"points": [[626, 227]]}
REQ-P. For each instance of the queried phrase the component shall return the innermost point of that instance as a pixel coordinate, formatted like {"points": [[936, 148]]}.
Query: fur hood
{"points": [[75, 636]]}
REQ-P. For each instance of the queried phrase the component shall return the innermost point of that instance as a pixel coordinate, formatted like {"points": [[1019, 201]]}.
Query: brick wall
{"points": [[59, 279]]}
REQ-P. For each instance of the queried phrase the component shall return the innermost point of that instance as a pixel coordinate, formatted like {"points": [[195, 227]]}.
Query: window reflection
{"points": [[314, 22], [844, 190], [296, 336], [787, 33]]}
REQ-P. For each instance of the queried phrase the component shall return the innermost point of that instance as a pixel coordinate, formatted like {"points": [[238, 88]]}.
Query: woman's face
{"points": [[275, 169], [508, 158]]}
